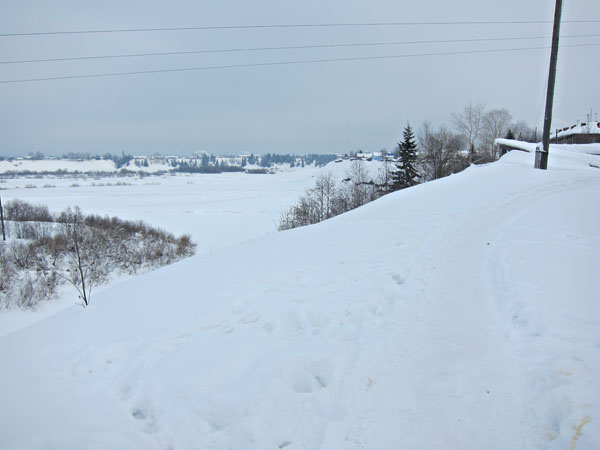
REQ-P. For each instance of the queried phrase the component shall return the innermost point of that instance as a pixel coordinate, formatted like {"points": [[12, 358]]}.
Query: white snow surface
{"points": [[53, 165], [218, 210], [458, 314]]}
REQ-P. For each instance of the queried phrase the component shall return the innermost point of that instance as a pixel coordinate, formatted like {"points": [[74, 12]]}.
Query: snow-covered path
{"points": [[543, 277], [418, 321]]}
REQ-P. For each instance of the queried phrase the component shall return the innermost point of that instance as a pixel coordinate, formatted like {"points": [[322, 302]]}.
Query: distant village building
{"points": [[375, 156], [580, 133], [583, 133]]}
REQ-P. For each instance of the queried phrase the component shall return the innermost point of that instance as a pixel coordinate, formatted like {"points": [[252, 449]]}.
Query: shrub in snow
{"points": [[77, 249], [329, 198], [7, 271], [20, 211]]}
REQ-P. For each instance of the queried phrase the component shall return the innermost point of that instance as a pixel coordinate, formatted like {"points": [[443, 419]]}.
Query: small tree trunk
{"points": [[80, 268], [2, 220]]}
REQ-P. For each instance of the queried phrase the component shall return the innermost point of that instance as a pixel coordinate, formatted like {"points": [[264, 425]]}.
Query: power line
{"points": [[293, 47], [305, 25], [539, 113], [279, 63]]}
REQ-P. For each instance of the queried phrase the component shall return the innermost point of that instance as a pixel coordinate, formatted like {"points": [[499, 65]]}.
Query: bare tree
{"points": [[440, 152], [360, 187], [7, 273], [328, 198], [468, 124], [323, 193], [2, 219], [385, 174], [495, 125], [85, 250], [523, 132]]}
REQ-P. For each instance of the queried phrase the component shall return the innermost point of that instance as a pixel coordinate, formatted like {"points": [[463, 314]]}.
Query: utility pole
{"points": [[541, 155]]}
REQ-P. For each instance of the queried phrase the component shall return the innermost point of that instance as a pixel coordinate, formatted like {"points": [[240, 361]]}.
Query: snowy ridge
{"points": [[418, 321]]}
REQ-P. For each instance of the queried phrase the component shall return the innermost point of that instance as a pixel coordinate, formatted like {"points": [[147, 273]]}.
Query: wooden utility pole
{"points": [[541, 156], [2, 220]]}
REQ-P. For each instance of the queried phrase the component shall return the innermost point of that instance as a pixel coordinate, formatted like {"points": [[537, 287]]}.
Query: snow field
{"points": [[49, 165], [418, 321], [217, 210]]}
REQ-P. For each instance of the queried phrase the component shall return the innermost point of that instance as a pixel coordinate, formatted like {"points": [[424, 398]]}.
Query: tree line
{"points": [[330, 197], [469, 140], [432, 154]]}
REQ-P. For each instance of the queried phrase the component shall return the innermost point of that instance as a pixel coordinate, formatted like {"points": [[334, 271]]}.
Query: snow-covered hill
{"points": [[457, 314], [54, 165]]}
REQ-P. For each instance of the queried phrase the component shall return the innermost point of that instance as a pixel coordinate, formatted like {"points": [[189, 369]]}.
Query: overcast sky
{"points": [[301, 108]]}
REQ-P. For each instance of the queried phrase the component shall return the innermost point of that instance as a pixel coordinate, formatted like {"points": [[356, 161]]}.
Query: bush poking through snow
{"points": [[45, 251]]}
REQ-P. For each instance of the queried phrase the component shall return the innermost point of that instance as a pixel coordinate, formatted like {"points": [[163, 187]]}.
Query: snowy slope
{"points": [[458, 314], [216, 210]]}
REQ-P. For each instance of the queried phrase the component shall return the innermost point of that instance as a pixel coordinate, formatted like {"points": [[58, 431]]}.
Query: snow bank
{"points": [[525, 146], [589, 149]]}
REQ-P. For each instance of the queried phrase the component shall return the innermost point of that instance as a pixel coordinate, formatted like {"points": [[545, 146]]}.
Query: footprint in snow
{"points": [[144, 416], [398, 278]]}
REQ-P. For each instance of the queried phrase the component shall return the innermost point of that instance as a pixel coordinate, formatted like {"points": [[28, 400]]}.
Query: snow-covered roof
{"points": [[520, 145], [589, 149], [582, 128]]}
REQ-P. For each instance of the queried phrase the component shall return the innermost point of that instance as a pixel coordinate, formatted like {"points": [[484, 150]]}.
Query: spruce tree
{"points": [[406, 173]]}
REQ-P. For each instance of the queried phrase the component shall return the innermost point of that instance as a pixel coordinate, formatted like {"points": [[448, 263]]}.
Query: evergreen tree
{"points": [[266, 160], [406, 174], [510, 135]]}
